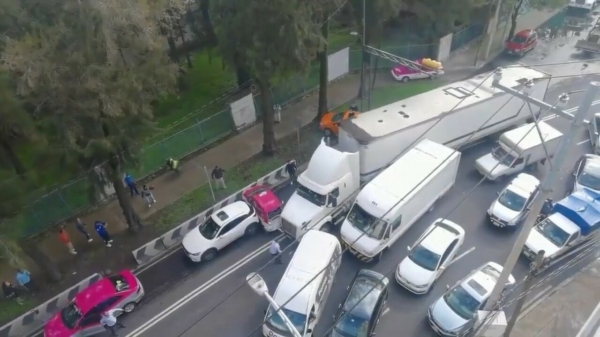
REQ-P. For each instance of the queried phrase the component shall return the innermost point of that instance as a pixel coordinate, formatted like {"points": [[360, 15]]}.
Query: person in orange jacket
{"points": [[63, 236]]}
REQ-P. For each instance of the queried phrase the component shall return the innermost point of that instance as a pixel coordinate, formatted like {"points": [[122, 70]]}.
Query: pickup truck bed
{"points": [[588, 46]]}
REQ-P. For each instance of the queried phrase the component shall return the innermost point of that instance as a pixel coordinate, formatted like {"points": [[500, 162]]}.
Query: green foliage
{"points": [[439, 17]]}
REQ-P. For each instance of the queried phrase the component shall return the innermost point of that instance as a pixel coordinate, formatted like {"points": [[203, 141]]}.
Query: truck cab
{"points": [[330, 180], [518, 149], [267, 205], [574, 218]]}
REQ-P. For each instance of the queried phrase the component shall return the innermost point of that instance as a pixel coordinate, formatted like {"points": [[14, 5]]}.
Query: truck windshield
{"points": [[577, 12], [297, 319], [312, 196], [552, 232], [512, 201], [590, 178], [502, 156], [366, 223]]}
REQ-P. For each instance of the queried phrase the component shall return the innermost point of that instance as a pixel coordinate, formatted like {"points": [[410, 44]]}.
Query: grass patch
{"points": [[10, 309], [394, 93]]}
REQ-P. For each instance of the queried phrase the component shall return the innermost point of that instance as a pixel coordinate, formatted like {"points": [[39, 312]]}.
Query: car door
{"points": [[448, 256], [227, 234], [89, 324]]}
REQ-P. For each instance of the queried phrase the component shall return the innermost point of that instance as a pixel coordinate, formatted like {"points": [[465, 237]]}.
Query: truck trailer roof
{"points": [[527, 136], [415, 110], [582, 208], [395, 183]]}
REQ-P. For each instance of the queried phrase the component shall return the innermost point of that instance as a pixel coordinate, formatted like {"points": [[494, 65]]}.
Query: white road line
{"points": [[198, 291], [590, 323], [583, 142]]}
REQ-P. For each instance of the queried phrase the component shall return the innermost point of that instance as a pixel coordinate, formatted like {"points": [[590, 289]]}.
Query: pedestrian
{"points": [[130, 182], [148, 196], [24, 280], [275, 251], [63, 236], [11, 292], [291, 169], [217, 175], [81, 228], [100, 228], [110, 323], [173, 164]]}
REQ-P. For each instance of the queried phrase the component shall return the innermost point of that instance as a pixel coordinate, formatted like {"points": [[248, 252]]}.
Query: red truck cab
{"points": [[267, 205]]}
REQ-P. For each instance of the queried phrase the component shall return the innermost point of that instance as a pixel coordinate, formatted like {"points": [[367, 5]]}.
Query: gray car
{"points": [[455, 313]]}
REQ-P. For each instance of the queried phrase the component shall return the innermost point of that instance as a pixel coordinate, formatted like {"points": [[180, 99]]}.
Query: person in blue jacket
{"points": [[100, 228]]}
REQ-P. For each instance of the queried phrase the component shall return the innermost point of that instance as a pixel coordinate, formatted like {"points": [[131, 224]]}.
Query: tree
{"points": [[323, 67], [272, 39], [16, 125], [517, 7], [94, 70], [172, 27]]}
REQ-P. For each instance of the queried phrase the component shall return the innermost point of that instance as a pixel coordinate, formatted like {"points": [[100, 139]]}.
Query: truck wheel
{"points": [[326, 227]]}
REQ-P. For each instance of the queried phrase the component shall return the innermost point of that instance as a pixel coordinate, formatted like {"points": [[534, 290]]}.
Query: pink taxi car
{"points": [[267, 205], [81, 317], [425, 68]]}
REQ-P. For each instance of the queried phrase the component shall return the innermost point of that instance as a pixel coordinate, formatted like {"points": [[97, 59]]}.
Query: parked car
{"points": [[363, 306], [429, 257], [522, 42], [424, 68], [330, 122], [219, 230], [513, 202], [587, 173], [455, 313], [81, 317]]}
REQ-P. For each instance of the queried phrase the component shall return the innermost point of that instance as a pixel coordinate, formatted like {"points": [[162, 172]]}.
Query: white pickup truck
{"points": [[573, 220]]}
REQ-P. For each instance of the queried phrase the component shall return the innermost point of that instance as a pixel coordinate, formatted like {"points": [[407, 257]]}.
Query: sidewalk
{"points": [[566, 310]]}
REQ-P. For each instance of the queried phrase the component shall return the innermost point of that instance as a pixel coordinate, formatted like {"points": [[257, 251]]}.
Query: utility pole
{"points": [[535, 265], [362, 55], [577, 120], [493, 25]]}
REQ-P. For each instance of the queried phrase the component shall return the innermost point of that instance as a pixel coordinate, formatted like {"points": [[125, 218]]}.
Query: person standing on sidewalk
{"points": [[110, 323], [130, 182], [275, 251], [81, 229], [63, 236], [217, 176], [147, 195], [291, 169], [100, 228], [23, 279]]}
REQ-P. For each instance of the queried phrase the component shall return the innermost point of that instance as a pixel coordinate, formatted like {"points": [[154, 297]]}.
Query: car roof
{"points": [[592, 164], [440, 235], [524, 33], [101, 290], [364, 293], [481, 282], [524, 184], [230, 211], [264, 196]]}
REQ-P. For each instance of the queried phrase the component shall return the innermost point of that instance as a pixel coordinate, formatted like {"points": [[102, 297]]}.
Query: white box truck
{"points": [[392, 202], [517, 149], [383, 134], [373, 140]]}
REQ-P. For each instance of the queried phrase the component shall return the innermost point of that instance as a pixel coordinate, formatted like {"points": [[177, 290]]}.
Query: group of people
{"points": [[23, 283], [99, 228], [146, 192]]}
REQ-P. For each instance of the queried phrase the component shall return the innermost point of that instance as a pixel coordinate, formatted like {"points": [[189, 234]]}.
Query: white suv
{"points": [[219, 230], [430, 256]]}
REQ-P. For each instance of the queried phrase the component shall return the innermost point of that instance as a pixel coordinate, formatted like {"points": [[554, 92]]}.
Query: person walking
{"points": [[217, 176], [130, 182], [291, 169], [81, 228], [110, 323], [147, 195], [100, 228], [63, 236], [275, 251], [24, 280], [11, 292]]}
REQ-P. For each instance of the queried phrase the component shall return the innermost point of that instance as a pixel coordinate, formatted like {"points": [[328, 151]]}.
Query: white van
{"points": [[304, 287], [392, 202]]}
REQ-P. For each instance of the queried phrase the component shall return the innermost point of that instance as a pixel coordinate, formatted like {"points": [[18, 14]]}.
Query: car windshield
{"points": [[312, 196], [70, 315], [209, 229], [352, 326], [275, 213], [424, 258], [502, 156], [552, 232], [119, 282], [590, 178], [461, 302], [366, 223], [512, 201], [297, 319], [337, 117], [518, 39]]}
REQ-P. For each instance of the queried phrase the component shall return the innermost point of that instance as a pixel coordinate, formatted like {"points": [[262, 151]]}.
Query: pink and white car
{"points": [[425, 68]]}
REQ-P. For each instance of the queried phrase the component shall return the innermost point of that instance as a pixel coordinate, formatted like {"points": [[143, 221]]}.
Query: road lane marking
{"points": [[583, 142], [201, 289], [590, 323]]}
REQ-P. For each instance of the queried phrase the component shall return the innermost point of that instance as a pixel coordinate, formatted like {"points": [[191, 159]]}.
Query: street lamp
{"points": [[259, 286]]}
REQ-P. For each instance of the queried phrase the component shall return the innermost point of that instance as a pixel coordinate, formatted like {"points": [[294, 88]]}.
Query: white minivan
{"points": [[304, 287]]}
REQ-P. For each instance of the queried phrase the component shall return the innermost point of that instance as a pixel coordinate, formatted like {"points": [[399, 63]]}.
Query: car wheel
{"points": [[209, 254], [129, 307], [405, 79], [328, 133], [252, 229]]}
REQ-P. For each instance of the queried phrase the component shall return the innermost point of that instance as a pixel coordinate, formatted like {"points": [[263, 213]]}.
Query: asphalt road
{"points": [[185, 309]]}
